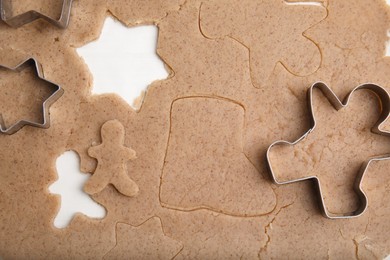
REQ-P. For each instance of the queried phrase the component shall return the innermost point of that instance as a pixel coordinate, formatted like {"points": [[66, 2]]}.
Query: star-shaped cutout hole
{"points": [[26, 97], [124, 60], [336, 151]]}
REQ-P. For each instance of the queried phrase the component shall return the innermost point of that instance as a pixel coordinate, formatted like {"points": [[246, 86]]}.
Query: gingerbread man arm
{"points": [[94, 151], [129, 154]]}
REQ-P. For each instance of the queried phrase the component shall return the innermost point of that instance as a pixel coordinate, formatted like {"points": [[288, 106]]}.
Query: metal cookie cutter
{"points": [[384, 99], [58, 91], [30, 16]]}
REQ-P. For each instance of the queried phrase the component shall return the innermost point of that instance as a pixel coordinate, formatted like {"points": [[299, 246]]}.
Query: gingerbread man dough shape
{"points": [[112, 157]]}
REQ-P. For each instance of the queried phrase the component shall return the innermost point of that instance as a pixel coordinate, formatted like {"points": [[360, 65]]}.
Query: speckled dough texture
{"points": [[193, 177]]}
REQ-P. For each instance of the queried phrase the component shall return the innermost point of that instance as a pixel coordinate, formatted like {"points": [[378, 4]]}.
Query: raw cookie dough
{"points": [[286, 221], [282, 40], [207, 169]]}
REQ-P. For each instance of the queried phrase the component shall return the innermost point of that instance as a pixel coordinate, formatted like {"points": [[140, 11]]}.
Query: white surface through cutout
{"points": [[291, 2], [388, 41], [124, 60], [69, 186]]}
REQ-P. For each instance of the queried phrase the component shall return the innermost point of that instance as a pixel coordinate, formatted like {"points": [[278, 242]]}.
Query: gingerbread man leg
{"points": [[98, 181], [124, 184]]}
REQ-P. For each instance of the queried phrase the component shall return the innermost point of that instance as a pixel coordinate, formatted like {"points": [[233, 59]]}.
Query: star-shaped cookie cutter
{"points": [[30, 16], [58, 91], [384, 99]]}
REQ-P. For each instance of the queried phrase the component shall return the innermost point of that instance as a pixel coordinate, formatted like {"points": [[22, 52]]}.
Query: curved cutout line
{"points": [[303, 34], [384, 101], [203, 207], [320, 4], [138, 226]]}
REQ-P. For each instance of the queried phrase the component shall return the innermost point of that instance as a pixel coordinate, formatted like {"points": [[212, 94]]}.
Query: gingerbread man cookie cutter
{"points": [[58, 92], [384, 100], [30, 16]]}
